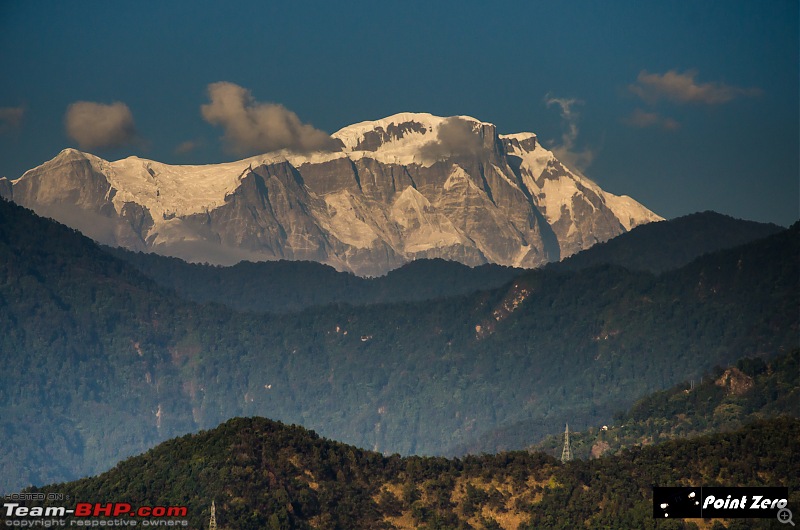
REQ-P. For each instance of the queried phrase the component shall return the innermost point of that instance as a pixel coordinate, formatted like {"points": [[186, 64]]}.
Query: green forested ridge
{"points": [[263, 474], [285, 286], [100, 363], [724, 400], [667, 245]]}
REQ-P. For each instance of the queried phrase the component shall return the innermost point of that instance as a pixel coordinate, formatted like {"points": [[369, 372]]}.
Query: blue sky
{"points": [[685, 106]]}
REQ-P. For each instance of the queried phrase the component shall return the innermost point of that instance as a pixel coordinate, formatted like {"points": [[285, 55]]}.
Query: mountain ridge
{"points": [[654, 247], [405, 187], [297, 285], [660, 246]]}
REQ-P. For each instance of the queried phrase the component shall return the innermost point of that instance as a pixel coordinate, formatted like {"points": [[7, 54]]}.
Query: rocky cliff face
{"points": [[406, 187]]}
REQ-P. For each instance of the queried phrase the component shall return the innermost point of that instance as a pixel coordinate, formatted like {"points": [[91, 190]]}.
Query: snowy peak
{"points": [[70, 156], [524, 142], [408, 186], [402, 127], [371, 135], [174, 190], [418, 138]]}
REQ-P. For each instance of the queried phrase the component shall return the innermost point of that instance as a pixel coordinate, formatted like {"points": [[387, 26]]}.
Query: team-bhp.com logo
{"points": [[93, 514], [88, 509]]}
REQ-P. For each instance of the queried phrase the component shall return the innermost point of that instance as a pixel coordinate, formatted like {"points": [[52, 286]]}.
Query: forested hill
{"points": [[667, 245], [286, 286], [723, 400], [263, 474], [100, 363], [282, 286]]}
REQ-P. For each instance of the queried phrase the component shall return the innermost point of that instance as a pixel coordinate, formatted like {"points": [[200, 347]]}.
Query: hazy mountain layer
{"points": [[286, 286], [282, 286]]}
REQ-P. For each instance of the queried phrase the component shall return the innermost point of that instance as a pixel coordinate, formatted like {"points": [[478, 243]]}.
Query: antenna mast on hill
{"points": [[212, 523], [566, 452]]}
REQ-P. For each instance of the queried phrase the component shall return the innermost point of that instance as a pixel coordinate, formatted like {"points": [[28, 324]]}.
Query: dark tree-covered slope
{"points": [[100, 363], [283, 286], [667, 245]]}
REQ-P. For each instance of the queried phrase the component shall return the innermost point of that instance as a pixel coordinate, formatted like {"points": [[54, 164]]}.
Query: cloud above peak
{"points": [[682, 88], [455, 137], [186, 147], [641, 119], [97, 125], [253, 127], [11, 118], [566, 151]]}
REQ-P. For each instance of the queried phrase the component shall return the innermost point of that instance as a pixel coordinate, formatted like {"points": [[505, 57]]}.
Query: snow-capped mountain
{"points": [[405, 187]]}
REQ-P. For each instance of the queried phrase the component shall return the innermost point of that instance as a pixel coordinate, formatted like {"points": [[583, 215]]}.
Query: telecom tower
{"points": [[566, 452], [212, 523]]}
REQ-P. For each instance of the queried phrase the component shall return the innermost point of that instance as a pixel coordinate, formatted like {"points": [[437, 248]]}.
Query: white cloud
{"points": [[96, 125], [455, 137], [682, 88], [642, 119], [251, 126], [186, 147], [11, 118], [566, 152]]}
